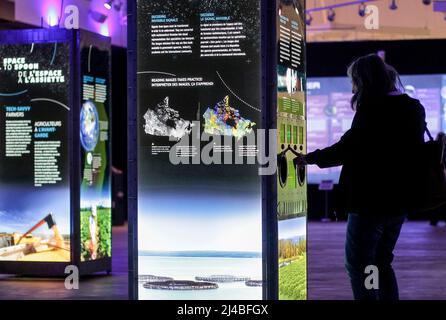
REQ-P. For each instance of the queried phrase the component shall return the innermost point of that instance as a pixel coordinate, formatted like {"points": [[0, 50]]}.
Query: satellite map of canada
{"points": [[222, 119]]}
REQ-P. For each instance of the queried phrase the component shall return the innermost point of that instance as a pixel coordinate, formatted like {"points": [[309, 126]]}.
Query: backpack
{"points": [[430, 182]]}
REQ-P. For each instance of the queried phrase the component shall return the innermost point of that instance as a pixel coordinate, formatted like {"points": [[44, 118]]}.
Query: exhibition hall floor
{"points": [[420, 260], [420, 265], [100, 286]]}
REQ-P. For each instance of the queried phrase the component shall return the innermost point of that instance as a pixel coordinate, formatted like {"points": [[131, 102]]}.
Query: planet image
{"points": [[89, 123]]}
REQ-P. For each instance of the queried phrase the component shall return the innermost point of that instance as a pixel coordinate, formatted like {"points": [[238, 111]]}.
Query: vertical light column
{"points": [[291, 141], [199, 108]]}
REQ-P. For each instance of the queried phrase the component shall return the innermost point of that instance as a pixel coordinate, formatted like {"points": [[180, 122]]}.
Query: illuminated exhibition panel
{"points": [[95, 203], [291, 128], [330, 114], [198, 92], [52, 134], [199, 224]]}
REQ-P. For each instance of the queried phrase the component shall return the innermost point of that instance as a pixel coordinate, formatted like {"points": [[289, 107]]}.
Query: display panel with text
{"points": [[291, 142], [95, 203], [34, 152], [330, 114], [199, 108]]}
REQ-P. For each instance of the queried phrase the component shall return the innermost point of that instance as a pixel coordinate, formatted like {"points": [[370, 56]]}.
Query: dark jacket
{"points": [[378, 155]]}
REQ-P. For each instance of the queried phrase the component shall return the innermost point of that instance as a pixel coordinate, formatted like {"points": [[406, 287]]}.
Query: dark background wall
{"points": [[408, 57], [119, 96], [119, 134]]}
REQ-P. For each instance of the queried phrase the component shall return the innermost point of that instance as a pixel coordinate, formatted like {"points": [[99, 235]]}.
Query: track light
{"points": [[393, 5], [308, 19], [331, 15], [115, 4], [361, 10], [108, 4]]}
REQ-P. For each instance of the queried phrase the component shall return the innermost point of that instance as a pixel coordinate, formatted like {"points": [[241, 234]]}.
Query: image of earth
{"points": [[89, 124]]}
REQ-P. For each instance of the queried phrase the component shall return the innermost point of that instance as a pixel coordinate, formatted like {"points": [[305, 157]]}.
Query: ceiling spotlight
{"points": [[108, 4], [393, 5], [361, 10], [308, 19], [427, 2], [331, 15]]}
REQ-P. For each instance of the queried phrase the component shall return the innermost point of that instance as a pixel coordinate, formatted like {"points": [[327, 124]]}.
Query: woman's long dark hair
{"points": [[372, 78]]}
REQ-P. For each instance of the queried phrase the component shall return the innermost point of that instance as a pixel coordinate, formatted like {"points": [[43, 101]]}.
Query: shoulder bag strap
{"points": [[428, 133]]}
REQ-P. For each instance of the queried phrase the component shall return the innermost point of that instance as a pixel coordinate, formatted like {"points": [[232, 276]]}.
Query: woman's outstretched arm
{"points": [[336, 154]]}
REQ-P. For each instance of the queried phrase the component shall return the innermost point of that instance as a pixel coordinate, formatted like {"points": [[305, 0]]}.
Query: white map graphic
{"points": [[166, 122]]}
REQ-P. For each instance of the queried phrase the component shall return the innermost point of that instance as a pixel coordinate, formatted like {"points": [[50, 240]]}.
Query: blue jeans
{"points": [[371, 241]]}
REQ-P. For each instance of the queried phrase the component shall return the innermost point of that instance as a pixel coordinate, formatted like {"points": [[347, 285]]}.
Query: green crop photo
{"points": [[95, 233], [293, 278], [293, 259]]}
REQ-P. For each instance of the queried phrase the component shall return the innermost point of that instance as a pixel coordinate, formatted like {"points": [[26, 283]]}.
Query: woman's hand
{"points": [[300, 160]]}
